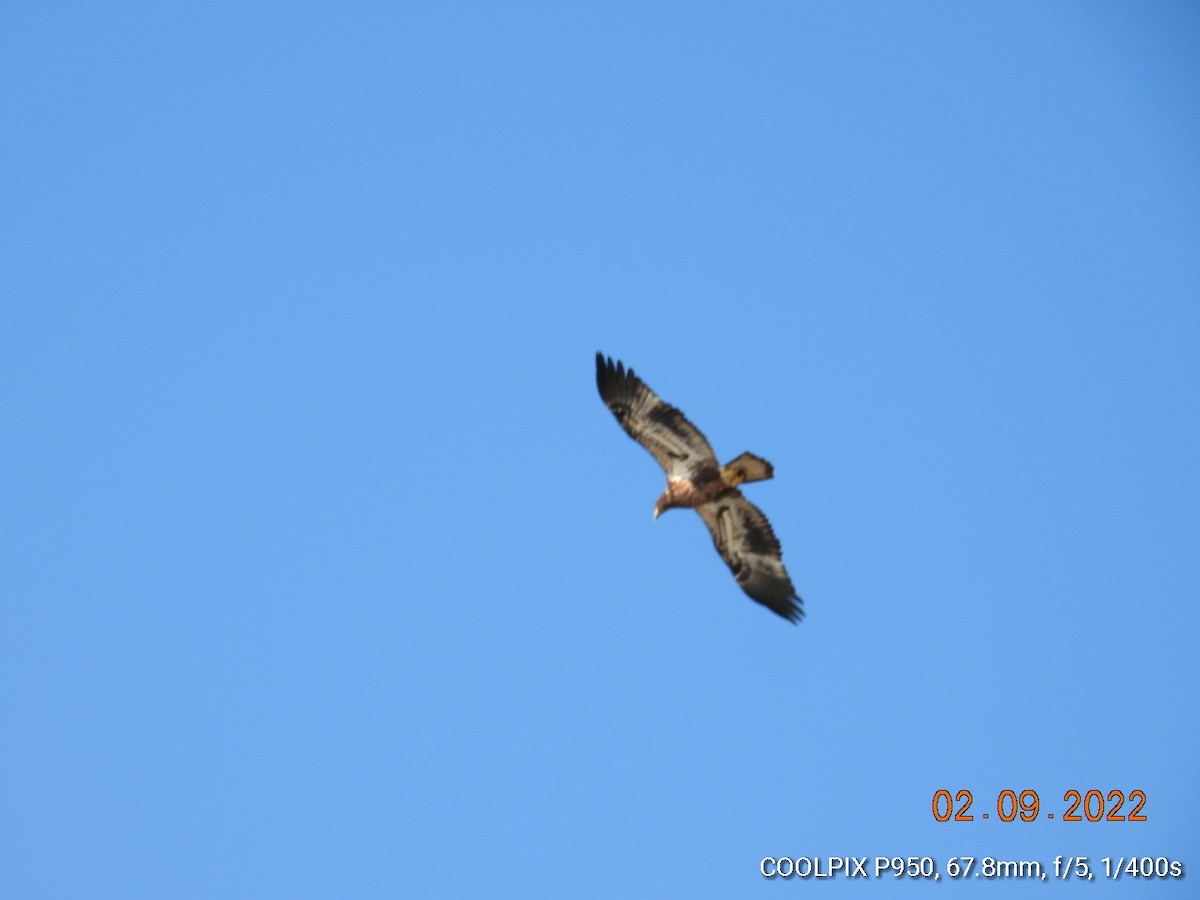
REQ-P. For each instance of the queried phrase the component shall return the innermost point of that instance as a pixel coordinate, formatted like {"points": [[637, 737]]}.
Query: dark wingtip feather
{"points": [[612, 378], [795, 610], [785, 605], [603, 372]]}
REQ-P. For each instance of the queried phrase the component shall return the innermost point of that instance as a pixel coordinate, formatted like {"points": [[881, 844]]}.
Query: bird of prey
{"points": [[695, 480]]}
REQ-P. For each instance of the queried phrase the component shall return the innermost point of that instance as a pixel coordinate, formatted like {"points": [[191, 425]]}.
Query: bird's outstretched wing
{"points": [[743, 537], [676, 443]]}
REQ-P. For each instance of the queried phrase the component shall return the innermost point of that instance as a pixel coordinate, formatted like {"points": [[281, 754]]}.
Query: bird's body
{"points": [[740, 532]]}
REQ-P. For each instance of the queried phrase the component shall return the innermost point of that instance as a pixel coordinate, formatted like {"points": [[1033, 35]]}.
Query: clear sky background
{"points": [[327, 574]]}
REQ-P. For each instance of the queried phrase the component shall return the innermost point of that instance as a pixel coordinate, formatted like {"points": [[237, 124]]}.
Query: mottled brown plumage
{"points": [[740, 532]]}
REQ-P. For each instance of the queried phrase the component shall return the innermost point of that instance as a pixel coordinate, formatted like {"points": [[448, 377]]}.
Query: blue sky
{"points": [[327, 574]]}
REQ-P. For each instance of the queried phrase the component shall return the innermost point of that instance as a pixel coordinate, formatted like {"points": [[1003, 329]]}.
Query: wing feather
{"points": [[676, 443], [745, 540]]}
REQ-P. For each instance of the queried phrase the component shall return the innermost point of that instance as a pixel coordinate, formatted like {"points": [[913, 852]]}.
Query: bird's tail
{"points": [[746, 467]]}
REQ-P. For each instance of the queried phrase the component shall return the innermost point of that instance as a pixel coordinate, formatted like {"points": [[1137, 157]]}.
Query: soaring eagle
{"points": [[740, 532]]}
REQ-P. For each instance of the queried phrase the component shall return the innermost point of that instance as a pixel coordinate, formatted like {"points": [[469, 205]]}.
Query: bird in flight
{"points": [[695, 480]]}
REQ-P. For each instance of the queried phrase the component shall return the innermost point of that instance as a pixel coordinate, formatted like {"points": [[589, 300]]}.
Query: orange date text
{"points": [[1026, 806]]}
